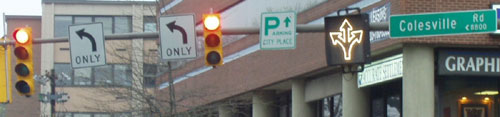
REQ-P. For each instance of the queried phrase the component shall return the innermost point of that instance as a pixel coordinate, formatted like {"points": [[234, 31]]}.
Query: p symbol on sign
{"points": [[268, 24]]}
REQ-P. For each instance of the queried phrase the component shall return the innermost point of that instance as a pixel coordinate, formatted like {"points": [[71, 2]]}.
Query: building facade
{"points": [[114, 89], [440, 76]]}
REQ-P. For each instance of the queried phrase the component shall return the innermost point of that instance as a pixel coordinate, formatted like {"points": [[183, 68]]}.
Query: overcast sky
{"points": [[19, 7]]}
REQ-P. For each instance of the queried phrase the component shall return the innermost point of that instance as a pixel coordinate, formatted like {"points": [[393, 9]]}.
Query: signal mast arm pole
{"points": [[301, 28]]}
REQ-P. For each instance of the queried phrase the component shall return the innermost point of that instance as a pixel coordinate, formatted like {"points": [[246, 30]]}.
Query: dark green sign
{"points": [[443, 23]]}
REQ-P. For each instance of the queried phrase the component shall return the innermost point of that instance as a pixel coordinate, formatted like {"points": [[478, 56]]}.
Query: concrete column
{"points": [[225, 111], [263, 104], [355, 101], [418, 81], [137, 59], [300, 108], [47, 56]]}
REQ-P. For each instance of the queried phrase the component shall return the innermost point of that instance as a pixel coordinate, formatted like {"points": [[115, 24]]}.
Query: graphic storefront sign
{"points": [[469, 62], [381, 71]]}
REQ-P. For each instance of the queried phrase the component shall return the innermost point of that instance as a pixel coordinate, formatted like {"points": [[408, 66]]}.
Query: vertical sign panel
{"points": [[86, 42], [277, 30], [177, 37], [347, 39]]}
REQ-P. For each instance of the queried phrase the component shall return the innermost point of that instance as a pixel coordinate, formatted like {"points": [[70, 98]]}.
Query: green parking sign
{"points": [[278, 30]]}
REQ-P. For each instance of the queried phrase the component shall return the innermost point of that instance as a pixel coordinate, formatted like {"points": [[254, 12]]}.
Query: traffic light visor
{"points": [[211, 22], [21, 36]]}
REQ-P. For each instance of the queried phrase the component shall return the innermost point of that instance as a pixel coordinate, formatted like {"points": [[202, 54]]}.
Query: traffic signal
{"points": [[25, 84], [213, 39]]}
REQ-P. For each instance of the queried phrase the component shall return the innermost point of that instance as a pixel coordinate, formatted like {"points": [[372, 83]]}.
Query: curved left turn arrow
{"points": [[81, 33], [172, 26]]}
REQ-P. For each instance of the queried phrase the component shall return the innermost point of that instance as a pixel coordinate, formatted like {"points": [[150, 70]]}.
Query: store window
{"points": [[386, 99], [468, 96], [285, 105], [330, 106]]}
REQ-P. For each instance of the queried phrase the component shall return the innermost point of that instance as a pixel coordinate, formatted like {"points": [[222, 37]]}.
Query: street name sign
{"points": [[443, 23], [86, 43], [277, 30], [177, 37]]}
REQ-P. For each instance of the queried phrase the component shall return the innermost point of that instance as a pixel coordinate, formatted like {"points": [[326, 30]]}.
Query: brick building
{"points": [[299, 83]]}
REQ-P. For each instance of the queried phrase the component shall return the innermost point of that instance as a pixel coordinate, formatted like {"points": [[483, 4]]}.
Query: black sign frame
{"points": [[360, 53]]}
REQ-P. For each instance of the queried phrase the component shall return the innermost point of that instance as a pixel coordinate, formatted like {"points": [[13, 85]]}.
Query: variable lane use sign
{"points": [[443, 23], [277, 30], [87, 45], [177, 37]]}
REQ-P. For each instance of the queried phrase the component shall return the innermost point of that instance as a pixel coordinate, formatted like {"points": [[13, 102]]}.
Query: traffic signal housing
{"points": [[213, 40], [23, 51]]}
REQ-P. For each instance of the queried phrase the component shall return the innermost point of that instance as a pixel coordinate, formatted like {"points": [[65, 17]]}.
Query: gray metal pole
{"points": [[171, 90], [301, 28]]}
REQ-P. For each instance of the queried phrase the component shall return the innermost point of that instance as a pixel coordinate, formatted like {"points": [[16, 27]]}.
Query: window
{"points": [[63, 73], [386, 100], [111, 24], [92, 114], [150, 24], [82, 76], [103, 75], [122, 24], [82, 115], [102, 115], [83, 20], [107, 24], [61, 24], [285, 105], [111, 74], [123, 75], [150, 71], [330, 106]]}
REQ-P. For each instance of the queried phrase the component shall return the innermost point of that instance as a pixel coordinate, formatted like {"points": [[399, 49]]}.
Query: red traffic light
{"points": [[211, 22], [21, 53], [21, 35], [212, 40]]}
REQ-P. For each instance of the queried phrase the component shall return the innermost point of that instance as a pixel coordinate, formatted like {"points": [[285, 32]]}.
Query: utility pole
{"points": [[172, 90], [52, 78]]}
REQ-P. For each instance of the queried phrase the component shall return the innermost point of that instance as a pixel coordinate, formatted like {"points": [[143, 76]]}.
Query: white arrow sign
{"points": [[177, 36], [86, 42]]}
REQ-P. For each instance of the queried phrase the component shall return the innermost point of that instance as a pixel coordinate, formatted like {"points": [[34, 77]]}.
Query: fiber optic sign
{"points": [[443, 23], [347, 39], [277, 30]]}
